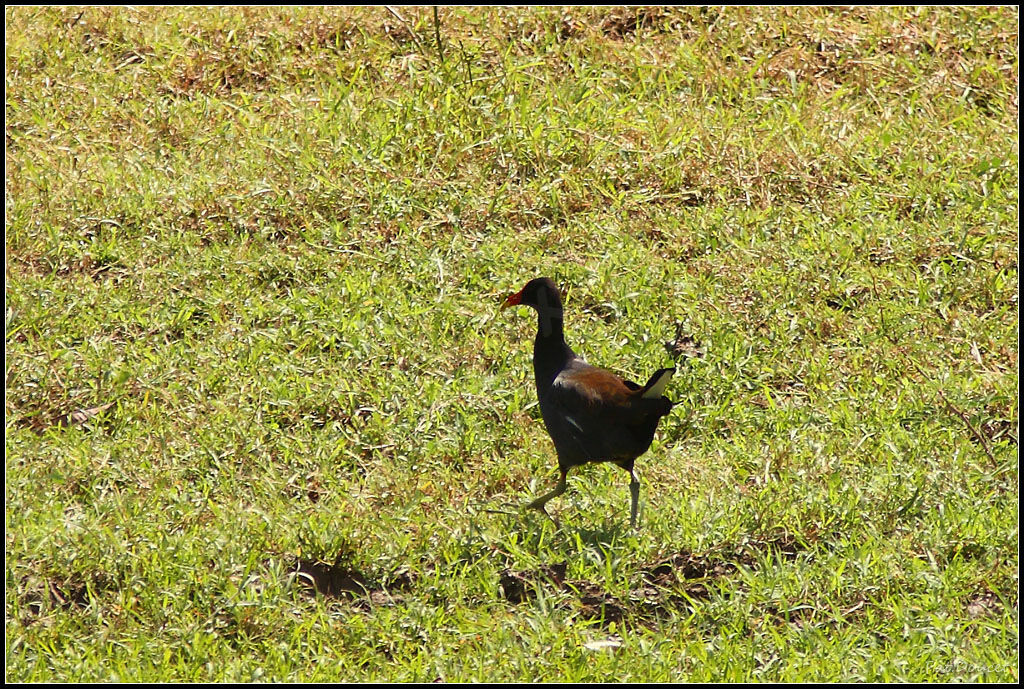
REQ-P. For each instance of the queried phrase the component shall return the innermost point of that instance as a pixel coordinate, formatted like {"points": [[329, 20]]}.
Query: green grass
{"points": [[275, 241]]}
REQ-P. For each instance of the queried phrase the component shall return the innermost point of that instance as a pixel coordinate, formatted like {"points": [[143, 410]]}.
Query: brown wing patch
{"points": [[598, 387]]}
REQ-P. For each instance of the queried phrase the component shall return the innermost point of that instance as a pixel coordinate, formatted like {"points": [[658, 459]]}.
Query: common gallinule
{"points": [[592, 415]]}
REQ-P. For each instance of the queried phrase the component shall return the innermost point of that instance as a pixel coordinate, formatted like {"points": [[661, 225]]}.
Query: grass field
{"points": [[265, 421]]}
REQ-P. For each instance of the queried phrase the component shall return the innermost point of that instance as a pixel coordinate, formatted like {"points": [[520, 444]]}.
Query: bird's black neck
{"points": [[550, 352]]}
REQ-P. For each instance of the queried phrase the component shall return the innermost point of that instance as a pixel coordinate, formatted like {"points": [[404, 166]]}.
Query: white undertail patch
{"points": [[658, 389]]}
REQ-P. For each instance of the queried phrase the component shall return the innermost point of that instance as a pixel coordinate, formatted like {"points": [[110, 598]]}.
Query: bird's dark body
{"points": [[594, 416]]}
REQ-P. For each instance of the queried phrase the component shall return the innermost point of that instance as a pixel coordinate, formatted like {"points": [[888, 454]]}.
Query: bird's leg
{"points": [[540, 502], [634, 494]]}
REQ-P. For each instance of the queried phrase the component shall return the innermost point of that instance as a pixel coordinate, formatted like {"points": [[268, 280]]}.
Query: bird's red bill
{"points": [[513, 299]]}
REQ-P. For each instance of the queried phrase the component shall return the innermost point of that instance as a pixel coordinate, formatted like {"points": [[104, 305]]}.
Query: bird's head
{"points": [[539, 293]]}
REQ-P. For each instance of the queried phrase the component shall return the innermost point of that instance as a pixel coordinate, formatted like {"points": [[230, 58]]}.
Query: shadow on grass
{"points": [[342, 580], [669, 586]]}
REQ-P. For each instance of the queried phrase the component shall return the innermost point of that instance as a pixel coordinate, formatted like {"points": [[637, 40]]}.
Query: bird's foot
{"points": [[510, 508], [539, 505]]}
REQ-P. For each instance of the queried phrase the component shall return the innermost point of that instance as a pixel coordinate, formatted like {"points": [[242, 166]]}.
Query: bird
{"points": [[591, 414]]}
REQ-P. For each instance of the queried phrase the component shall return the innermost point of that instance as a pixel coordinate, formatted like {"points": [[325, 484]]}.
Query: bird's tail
{"points": [[655, 387]]}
